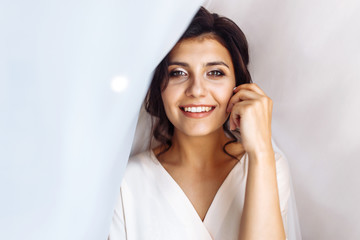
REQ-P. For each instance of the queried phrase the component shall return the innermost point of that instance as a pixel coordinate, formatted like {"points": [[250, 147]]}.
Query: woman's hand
{"points": [[251, 111]]}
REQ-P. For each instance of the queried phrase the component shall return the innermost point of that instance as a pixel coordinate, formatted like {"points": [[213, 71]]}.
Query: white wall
{"points": [[306, 56]]}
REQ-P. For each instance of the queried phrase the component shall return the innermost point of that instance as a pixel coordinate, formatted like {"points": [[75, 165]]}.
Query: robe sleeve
{"points": [[118, 227], [283, 182]]}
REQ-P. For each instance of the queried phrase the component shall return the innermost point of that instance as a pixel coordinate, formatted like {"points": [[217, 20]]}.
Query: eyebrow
{"points": [[207, 64]]}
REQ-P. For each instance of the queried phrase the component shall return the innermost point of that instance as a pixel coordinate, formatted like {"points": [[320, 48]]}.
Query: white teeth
{"points": [[197, 109]]}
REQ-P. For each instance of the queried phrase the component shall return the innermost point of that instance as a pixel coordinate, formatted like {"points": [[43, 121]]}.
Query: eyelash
{"points": [[178, 73], [218, 73]]}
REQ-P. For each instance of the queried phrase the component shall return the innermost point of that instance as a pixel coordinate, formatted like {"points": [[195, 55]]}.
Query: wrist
{"points": [[262, 154]]}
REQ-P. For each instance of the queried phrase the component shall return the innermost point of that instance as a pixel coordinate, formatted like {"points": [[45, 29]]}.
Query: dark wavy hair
{"points": [[206, 24]]}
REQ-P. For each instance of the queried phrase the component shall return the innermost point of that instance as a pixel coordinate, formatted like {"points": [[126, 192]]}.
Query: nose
{"points": [[196, 87]]}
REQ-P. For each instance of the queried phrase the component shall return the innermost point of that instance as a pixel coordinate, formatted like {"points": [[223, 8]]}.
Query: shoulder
{"points": [[139, 159], [139, 166]]}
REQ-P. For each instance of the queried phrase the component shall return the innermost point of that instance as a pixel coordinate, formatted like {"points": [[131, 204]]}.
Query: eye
{"points": [[216, 73], [177, 73]]}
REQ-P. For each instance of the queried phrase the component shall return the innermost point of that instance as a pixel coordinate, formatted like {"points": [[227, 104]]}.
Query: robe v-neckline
{"points": [[183, 206]]}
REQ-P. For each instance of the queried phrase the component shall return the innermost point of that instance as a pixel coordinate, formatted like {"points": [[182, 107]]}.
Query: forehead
{"points": [[200, 50]]}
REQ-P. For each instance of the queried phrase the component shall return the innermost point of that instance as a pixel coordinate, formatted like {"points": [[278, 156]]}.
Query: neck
{"points": [[198, 152]]}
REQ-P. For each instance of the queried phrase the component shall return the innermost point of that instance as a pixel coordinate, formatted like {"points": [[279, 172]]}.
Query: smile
{"points": [[197, 111]]}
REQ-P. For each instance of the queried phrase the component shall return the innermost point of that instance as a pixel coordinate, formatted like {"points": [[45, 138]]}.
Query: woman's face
{"points": [[201, 82]]}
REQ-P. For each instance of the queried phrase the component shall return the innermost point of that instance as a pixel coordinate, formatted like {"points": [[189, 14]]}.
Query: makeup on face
{"points": [[201, 79]]}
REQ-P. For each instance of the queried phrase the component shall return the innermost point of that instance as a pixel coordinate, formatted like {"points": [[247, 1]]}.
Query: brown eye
{"points": [[216, 73], [177, 73]]}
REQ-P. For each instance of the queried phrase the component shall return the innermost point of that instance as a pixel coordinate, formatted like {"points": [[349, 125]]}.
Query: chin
{"points": [[200, 132]]}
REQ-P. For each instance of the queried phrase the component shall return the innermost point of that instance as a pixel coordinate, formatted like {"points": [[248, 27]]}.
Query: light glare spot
{"points": [[119, 83]]}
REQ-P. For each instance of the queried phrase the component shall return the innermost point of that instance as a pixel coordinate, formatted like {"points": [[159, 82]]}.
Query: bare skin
{"points": [[196, 159], [200, 180]]}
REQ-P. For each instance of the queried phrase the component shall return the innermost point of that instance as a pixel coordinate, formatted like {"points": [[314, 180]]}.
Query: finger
{"points": [[242, 95], [231, 124], [250, 86], [240, 107], [237, 111], [235, 118]]}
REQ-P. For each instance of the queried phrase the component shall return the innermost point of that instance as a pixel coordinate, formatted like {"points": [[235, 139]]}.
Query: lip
{"points": [[197, 114], [196, 105]]}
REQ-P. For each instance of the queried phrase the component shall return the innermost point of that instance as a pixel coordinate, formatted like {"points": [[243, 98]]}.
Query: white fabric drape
{"points": [[73, 75]]}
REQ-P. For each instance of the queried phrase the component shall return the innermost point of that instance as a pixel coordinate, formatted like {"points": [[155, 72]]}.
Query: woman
{"points": [[200, 182]]}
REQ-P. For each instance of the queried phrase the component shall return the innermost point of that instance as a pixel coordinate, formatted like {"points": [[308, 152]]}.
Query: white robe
{"points": [[151, 205]]}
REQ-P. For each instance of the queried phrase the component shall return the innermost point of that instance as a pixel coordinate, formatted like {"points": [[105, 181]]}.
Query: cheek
{"points": [[228, 96], [224, 95]]}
